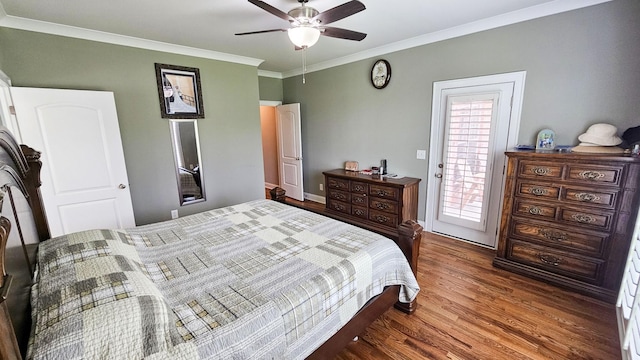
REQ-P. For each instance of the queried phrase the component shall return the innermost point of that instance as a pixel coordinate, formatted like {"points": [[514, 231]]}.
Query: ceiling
{"points": [[207, 28]]}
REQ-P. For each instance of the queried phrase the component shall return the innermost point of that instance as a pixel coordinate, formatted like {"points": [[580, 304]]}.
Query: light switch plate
{"points": [[421, 154]]}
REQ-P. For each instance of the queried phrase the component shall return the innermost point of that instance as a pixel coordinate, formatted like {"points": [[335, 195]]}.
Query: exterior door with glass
{"points": [[471, 128]]}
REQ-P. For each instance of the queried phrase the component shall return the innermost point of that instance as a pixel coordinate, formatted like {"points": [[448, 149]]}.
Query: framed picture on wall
{"points": [[179, 92]]}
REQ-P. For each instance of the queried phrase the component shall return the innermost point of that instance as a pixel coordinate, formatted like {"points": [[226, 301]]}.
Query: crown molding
{"points": [[271, 74], [530, 13], [111, 38]]}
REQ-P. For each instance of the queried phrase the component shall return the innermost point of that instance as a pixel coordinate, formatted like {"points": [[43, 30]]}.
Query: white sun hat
{"points": [[601, 134]]}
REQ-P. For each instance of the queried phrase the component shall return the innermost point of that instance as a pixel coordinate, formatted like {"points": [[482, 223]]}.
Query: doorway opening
{"points": [[286, 143]]}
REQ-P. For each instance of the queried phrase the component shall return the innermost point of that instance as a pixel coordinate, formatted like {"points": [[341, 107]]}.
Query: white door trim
{"points": [[518, 80], [270, 103]]}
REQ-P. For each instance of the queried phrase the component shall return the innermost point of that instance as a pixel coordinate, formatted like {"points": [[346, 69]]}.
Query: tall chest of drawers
{"points": [[377, 204], [568, 219]]}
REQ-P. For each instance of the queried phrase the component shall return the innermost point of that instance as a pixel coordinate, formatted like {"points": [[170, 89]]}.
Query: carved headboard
{"points": [[24, 164], [19, 172]]}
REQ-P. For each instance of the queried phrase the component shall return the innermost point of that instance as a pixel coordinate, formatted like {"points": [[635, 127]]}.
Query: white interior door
{"points": [[290, 150], [471, 128], [84, 178]]}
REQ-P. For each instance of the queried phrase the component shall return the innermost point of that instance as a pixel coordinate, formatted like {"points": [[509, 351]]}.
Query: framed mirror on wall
{"points": [[186, 153]]}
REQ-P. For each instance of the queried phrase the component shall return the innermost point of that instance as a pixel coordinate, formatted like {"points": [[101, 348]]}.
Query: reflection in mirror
{"points": [[186, 152]]}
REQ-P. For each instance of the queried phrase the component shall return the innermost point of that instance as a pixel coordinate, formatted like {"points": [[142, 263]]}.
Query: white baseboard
{"points": [[270, 185], [316, 198]]}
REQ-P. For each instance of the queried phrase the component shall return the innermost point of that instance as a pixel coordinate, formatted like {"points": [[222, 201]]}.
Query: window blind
{"points": [[628, 304], [466, 155]]}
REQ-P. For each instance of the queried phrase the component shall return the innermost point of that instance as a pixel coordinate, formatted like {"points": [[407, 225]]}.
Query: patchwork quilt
{"points": [[255, 280]]}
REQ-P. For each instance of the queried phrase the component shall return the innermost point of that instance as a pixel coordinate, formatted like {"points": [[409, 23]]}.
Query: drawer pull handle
{"points": [[358, 200], [382, 206], [538, 191], [383, 193], [359, 212], [553, 235], [550, 260], [534, 210], [339, 207], [382, 219], [591, 175], [587, 197], [339, 196], [583, 218], [358, 188], [541, 170]]}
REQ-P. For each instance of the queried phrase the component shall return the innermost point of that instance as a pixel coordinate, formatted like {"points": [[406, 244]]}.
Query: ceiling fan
{"points": [[307, 23]]}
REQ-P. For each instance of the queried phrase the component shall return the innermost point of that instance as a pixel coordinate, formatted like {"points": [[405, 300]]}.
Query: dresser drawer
{"points": [[359, 187], [389, 206], [339, 206], [383, 218], [558, 262], [598, 197], [537, 190], [540, 211], [360, 211], [339, 195], [337, 183], [540, 170], [549, 234], [585, 218], [594, 174], [359, 199], [386, 192]]}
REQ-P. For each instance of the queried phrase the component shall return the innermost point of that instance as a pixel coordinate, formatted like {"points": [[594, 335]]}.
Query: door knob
{"points": [[122, 186]]}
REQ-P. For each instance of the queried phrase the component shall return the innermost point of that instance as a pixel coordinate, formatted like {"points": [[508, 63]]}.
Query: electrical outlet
{"points": [[421, 154], [174, 214], [321, 187]]}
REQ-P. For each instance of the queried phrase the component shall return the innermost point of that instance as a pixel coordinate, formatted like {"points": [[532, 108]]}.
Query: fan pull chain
{"points": [[304, 64]]}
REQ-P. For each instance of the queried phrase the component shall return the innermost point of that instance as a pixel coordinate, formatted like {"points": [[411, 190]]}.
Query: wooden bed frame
{"points": [[23, 165]]}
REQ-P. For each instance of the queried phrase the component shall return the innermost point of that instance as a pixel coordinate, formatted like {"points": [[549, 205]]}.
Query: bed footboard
{"points": [[409, 236]]}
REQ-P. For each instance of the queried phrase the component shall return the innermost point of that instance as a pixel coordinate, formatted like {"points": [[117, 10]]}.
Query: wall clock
{"points": [[380, 74]]}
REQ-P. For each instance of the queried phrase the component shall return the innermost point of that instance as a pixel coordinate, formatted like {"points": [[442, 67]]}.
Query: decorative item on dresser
{"points": [[568, 219], [377, 204]]}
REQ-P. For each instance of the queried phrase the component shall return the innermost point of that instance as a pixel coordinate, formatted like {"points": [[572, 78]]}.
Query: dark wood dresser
{"points": [[568, 219], [378, 204]]}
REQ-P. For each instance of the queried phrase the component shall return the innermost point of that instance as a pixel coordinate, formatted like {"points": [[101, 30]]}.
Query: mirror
{"points": [[186, 153]]}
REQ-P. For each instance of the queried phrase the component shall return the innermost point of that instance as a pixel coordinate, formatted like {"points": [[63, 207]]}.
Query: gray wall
{"points": [[233, 173], [270, 88], [582, 66]]}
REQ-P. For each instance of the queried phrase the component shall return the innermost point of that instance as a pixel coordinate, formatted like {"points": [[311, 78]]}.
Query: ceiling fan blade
{"points": [[339, 12], [260, 31], [268, 8], [342, 33]]}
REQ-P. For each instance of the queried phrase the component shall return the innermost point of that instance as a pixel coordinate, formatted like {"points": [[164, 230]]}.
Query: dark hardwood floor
{"points": [[470, 310]]}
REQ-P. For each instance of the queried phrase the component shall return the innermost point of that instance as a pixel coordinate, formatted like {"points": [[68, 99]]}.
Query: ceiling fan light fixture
{"points": [[304, 36]]}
